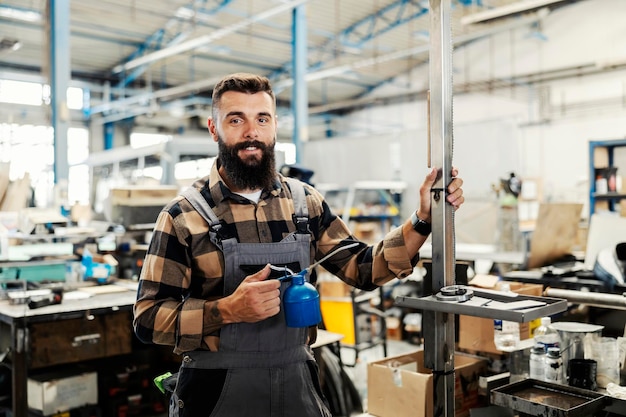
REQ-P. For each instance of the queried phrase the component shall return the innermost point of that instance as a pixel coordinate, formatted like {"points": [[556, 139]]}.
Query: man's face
{"points": [[245, 131]]}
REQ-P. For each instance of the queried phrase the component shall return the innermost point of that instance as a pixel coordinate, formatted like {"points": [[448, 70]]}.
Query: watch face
{"points": [[420, 226]]}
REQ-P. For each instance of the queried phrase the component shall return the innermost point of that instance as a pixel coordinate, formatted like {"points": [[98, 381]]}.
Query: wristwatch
{"points": [[420, 226]]}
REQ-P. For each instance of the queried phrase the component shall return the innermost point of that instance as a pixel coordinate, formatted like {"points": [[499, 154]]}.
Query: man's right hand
{"points": [[256, 299]]}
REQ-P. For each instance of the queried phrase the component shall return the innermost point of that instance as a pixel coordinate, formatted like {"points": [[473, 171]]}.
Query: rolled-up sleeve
{"points": [[162, 313], [392, 259]]}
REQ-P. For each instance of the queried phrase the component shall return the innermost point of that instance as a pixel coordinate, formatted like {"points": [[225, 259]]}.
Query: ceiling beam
{"points": [[342, 69], [206, 39], [203, 85], [172, 33], [509, 10]]}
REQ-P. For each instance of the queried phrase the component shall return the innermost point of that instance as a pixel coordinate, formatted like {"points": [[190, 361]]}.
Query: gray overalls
{"points": [[267, 368]]}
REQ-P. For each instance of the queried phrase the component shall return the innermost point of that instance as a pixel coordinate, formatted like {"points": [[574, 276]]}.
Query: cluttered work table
{"points": [[91, 322]]}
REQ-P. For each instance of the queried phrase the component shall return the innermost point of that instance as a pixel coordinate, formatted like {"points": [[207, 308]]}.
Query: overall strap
{"points": [[301, 216], [202, 207]]}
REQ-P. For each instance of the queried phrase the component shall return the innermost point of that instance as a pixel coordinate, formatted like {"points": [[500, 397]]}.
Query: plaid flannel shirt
{"points": [[182, 276]]}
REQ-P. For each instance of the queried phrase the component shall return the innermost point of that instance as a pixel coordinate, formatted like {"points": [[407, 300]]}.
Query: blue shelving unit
{"points": [[611, 197]]}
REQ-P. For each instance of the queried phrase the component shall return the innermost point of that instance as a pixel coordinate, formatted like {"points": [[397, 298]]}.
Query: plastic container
{"points": [[546, 335], [537, 362], [302, 303], [506, 333], [554, 366]]}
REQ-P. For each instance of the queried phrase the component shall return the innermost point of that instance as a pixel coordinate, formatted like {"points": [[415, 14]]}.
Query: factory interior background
{"points": [[539, 95]]}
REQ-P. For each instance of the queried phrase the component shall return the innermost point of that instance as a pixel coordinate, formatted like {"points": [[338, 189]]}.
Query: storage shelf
{"points": [[489, 304], [608, 196], [612, 198]]}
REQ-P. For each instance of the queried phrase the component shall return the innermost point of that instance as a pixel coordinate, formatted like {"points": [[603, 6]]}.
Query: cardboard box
{"points": [[401, 386], [55, 392], [476, 334]]}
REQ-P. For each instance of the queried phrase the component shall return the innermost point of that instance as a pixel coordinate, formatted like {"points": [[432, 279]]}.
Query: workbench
{"points": [[100, 338]]}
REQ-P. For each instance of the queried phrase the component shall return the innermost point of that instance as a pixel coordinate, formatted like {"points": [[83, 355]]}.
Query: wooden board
{"points": [[17, 195], [4, 180], [143, 196], [103, 289], [555, 233]]}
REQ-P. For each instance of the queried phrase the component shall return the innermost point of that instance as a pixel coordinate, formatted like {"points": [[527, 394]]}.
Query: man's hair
{"points": [[243, 83]]}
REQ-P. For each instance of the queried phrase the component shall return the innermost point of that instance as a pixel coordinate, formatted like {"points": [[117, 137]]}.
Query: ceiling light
{"points": [[20, 14], [509, 10], [189, 14], [9, 44], [185, 13]]}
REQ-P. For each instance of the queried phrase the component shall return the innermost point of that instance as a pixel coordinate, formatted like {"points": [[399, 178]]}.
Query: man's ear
{"points": [[212, 128]]}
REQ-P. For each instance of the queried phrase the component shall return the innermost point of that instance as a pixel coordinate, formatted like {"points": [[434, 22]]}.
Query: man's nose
{"points": [[251, 131]]}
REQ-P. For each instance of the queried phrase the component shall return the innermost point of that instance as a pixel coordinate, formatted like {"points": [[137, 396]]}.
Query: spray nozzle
{"points": [[290, 275]]}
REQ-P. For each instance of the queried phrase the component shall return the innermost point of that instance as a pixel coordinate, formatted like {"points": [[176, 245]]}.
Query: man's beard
{"points": [[250, 174]]}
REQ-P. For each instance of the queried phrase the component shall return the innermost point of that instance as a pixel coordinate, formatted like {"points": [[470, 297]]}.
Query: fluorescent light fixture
{"points": [[188, 14], [23, 15], [523, 6], [9, 44], [206, 39], [185, 13]]}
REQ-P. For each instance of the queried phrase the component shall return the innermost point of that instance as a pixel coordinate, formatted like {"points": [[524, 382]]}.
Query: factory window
{"points": [[185, 172], [28, 151], [289, 149], [21, 92], [36, 94], [139, 140]]}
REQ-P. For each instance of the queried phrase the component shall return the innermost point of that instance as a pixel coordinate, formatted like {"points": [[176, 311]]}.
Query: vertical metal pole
{"points": [[439, 334], [300, 102], [59, 75]]}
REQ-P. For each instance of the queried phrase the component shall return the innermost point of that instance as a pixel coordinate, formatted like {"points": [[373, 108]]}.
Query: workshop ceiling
{"points": [[171, 52]]}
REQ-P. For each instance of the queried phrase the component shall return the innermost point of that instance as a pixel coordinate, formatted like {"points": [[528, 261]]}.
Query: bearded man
{"points": [[206, 286]]}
